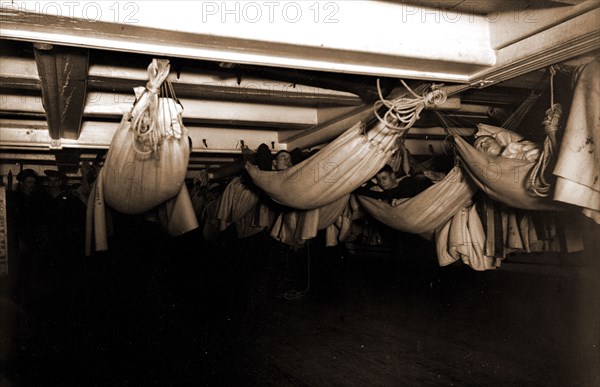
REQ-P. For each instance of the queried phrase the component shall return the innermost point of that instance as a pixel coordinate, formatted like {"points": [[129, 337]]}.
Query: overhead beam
{"points": [[328, 130], [447, 50], [569, 39], [511, 26], [33, 134], [286, 95], [210, 81], [114, 105], [63, 75]]}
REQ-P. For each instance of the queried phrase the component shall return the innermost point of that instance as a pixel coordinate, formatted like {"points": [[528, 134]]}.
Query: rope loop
{"points": [[404, 111], [537, 183], [153, 117]]}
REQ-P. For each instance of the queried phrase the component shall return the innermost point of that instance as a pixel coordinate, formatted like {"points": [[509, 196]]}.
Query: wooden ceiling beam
{"points": [[289, 96], [63, 74]]}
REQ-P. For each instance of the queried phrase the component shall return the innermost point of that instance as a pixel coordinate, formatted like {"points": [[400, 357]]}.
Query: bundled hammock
{"points": [[427, 211], [148, 156], [333, 172]]}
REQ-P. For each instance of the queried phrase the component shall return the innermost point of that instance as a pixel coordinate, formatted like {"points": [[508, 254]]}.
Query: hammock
{"points": [[503, 179], [294, 227], [333, 172], [235, 202], [578, 165], [427, 211], [149, 153]]}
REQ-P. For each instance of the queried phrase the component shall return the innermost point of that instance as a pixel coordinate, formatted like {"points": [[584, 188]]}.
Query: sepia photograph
{"points": [[300, 193]]}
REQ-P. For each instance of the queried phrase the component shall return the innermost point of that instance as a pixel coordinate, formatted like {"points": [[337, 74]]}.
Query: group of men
{"points": [[48, 221]]}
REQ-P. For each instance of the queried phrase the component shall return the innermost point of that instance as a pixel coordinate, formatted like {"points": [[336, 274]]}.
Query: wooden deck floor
{"points": [[216, 317]]}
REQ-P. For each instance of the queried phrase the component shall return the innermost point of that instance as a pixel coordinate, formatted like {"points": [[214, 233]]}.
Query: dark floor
{"points": [[153, 312]]}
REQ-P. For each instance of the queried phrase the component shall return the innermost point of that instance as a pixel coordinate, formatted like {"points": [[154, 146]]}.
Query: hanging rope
{"points": [[515, 119], [537, 183], [145, 126], [403, 112]]}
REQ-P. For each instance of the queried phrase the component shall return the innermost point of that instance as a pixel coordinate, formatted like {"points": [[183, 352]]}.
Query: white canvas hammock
{"points": [[234, 203], [149, 153], [503, 179], [351, 159], [427, 211], [578, 165], [295, 227], [333, 172]]}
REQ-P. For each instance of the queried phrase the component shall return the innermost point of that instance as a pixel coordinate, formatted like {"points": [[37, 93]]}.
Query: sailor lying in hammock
{"points": [[389, 188], [523, 150], [496, 141]]}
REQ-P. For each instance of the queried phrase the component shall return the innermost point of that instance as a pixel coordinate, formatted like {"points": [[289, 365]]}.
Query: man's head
{"points": [[56, 181], [27, 179], [386, 179], [488, 145], [282, 160]]}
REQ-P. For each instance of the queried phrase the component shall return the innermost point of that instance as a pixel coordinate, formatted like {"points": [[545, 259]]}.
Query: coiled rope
{"points": [[403, 112], [537, 183], [144, 116]]}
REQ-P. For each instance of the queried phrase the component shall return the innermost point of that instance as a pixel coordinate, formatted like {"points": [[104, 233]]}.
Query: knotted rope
{"points": [[146, 130], [403, 112], [537, 183]]}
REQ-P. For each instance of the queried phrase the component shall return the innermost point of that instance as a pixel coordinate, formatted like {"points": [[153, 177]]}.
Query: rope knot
{"points": [[435, 97], [552, 120]]}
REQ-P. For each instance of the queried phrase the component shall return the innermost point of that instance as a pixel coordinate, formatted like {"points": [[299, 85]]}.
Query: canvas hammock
{"points": [[351, 159], [294, 227], [578, 165], [503, 179], [176, 216], [430, 209], [149, 153], [333, 172], [235, 202], [241, 206]]}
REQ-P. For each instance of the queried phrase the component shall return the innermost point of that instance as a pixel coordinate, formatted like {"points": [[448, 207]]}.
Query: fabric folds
{"points": [[428, 210], [501, 178], [333, 172]]}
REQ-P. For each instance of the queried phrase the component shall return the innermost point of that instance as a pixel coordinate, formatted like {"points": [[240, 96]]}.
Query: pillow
{"points": [[503, 136]]}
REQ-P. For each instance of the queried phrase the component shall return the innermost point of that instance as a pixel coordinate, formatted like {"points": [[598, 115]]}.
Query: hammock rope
{"points": [[537, 183], [515, 119], [145, 116], [403, 112]]}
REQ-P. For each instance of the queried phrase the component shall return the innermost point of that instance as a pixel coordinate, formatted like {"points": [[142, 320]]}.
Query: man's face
{"points": [[385, 180], [28, 185], [488, 145], [54, 183], [283, 161]]}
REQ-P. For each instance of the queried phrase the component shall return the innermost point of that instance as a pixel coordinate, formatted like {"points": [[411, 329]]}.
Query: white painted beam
{"points": [[98, 135], [393, 39], [512, 26], [571, 38], [101, 104], [328, 130], [21, 103]]}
